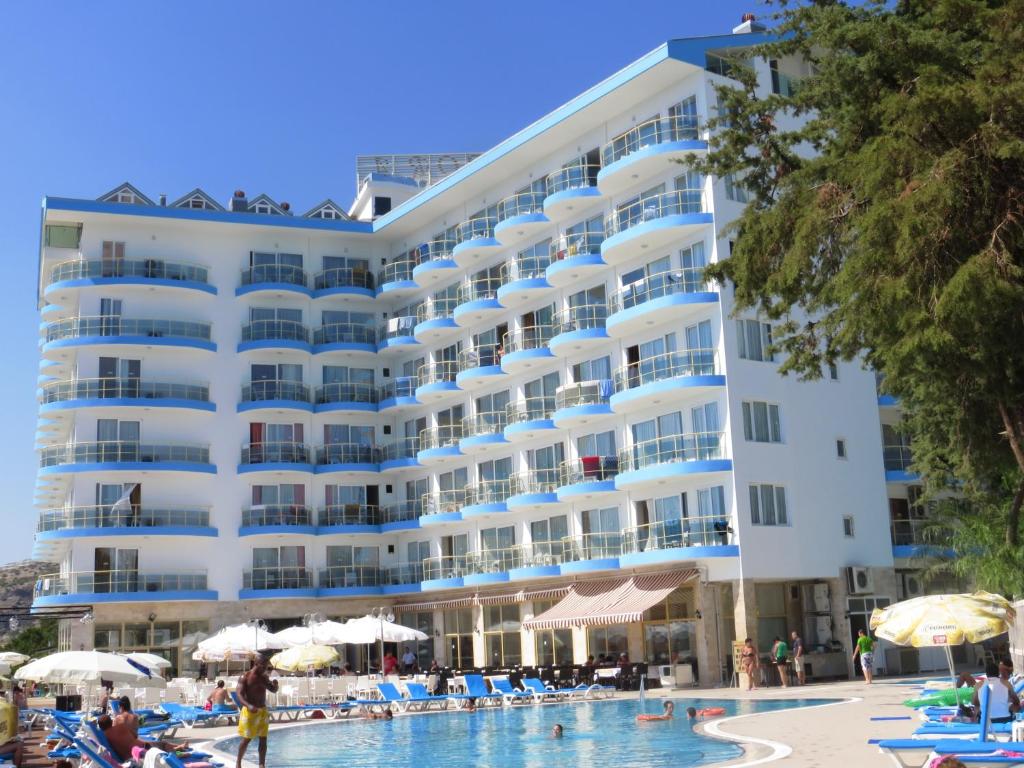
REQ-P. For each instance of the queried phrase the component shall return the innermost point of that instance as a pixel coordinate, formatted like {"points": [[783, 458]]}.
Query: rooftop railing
{"points": [[693, 446], [660, 130], [152, 269], [667, 365], [107, 387], [119, 451]]}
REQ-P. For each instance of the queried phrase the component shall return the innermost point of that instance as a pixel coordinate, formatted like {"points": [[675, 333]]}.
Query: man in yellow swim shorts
{"points": [[253, 719]]}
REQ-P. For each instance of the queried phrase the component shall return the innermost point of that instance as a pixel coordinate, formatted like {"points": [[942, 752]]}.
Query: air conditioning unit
{"points": [[858, 581], [912, 585], [823, 629]]}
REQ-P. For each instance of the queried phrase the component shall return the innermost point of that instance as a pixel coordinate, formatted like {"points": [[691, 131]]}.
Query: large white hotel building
{"points": [[495, 393]]}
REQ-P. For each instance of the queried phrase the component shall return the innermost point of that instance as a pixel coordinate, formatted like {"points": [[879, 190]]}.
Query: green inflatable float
{"points": [[948, 698]]}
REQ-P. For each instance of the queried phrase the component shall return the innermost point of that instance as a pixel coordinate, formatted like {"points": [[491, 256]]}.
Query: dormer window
{"points": [[327, 210], [327, 213], [197, 203], [261, 208], [127, 197]]}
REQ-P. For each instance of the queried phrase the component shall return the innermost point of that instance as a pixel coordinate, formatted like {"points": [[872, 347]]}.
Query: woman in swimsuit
{"points": [[748, 659]]}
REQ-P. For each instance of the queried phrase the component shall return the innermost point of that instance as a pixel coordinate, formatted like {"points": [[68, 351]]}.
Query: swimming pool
{"points": [[512, 737]]}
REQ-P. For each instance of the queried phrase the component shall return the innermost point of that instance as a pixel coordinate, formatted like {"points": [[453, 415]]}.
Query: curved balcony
{"points": [[443, 572], [570, 189], [397, 335], [672, 296], [400, 454], [63, 525], [275, 394], [647, 149], [439, 445], [654, 223], [274, 334], [274, 279], [483, 432], [479, 366], [346, 396], [582, 403], [529, 418], [586, 478], [475, 240], [662, 378], [526, 348], [672, 541], [396, 278], [277, 519], [347, 457], [348, 580], [403, 516], [344, 281], [575, 258], [491, 566], [579, 328], [435, 321], [118, 331], [478, 301], [523, 278], [348, 519], [435, 262], [534, 490], [539, 559], [590, 552], [683, 456], [520, 217], [122, 393], [275, 456], [437, 381], [58, 589], [345, 337], [277, 582], [488, 497], [398, 395], [442, 506], [80, 273], [124, 456], [404, 577]]}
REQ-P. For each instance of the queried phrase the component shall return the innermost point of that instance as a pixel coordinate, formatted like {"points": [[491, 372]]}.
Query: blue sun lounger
{"points": [[392, 695], [477, 690], [540, 692], [510, 695], [418, 691]]}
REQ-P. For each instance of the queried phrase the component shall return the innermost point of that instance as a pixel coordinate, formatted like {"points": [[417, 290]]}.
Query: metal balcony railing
{"points": [[275, 330], [660, 130], [117, 451], [152, 269], [667, 283], [276, 514], [275, 452], [118, 582], [114, 325], [343, 277], [674, 203], [693, 446], [347, 453], [667, 365], [341, 576], [588, 469], [594, 392], [278, 577], [573, 177], [274, 273], [101, 388], [124, 516], [698, 531], [348, 514], [346, 392], [275, 389]]}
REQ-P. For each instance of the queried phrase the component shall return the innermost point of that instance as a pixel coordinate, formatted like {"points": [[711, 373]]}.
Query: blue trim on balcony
{"points": [[901, 476], [130, 466], [440, 518], [257, 405], [437, 386], [277, 530], [436, 324], [588, 566], [275, 594], [569, 337], [675, 554], [274, 466], [145, 341], [158, 282], [476, 242], [345, 405], [444, 452], [590, 410], [430, 584], [525, 284], [478, 510], [397, 402], [482, 579], [522, 355], [518, 221], [534, 572], [398, 343], [331, 530], [670, 469], [434, 265], [577, 490], [399, 589], [664, 387], [573, 193], [346, 290], [167, 530], [299, 346], [653, 225], [910, 551], [403, 463], [124, 597], [480, 372], [888, 401], [397, 285], [347, 591], [243, 290], [531, 499], [400, 525], [344, 346], [476, 305], [668, 147], [477, 441], [528, 426], [129, 402], [657, 305], [326, 469]]}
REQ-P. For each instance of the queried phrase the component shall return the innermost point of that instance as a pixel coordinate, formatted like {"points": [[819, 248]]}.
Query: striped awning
{"points": [[501, 598], [437, 605], [619, 601]]}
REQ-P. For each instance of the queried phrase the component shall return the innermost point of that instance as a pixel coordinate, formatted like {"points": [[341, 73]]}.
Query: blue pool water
{"points": [[512, 737]]}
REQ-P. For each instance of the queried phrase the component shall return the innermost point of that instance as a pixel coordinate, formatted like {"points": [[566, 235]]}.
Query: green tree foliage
{"points": [[886, 223], [35, 640]]}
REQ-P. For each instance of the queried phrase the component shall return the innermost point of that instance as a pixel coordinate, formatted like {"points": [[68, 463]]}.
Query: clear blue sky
{"points": [[274, 97]]}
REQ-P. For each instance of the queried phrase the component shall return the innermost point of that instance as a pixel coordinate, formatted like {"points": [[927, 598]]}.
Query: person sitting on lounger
{"points": [[121, 739], [1003, 700], [220, 697], [126, 716]]}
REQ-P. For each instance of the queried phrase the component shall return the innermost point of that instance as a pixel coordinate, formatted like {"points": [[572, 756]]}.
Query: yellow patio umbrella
{"points": [[944, 620], [304, 657]]}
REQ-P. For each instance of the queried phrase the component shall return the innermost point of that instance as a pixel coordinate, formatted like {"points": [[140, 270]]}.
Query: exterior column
{"points": [[744, 615]]}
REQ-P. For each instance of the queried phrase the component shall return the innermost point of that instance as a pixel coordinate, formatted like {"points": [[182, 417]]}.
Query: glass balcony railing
{"points": [[436, 309], [573, 177], [498, 560], [118, 582], [474, 229], [275, 389], [446, 567], [443, 502], [522, 204], [540, 553], [124, 516], [897, 458], [581, 317], [343, 277], [591, 546], [275, 452], [908, 532], [525, 268], [345, 333], [347, 392], [660, 130], [655, 286], [341, 576], [402, 386], [396, 328], [151, 269], [588, 469], [102, 388], [675, 203], [437, 250], [274, 273], [438, 373], [527, 338], [489, 492], [277, 514], [402, 512], [534, 481], [347, 453], [404, 573], [278, 577], [530, 409], [694, 531], [444, 436], [348, 514], [595, 392], [275, 330], [401, 448], [692, 446], [581, 244], [480, 356], [118, 451], [479, 289], [113, 325], [484, 423], [667, 365], [397, 271]]}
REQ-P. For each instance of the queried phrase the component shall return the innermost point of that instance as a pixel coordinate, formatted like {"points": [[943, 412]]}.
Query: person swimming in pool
{"points": [[668, 709], [691, 712], [556, 732]]}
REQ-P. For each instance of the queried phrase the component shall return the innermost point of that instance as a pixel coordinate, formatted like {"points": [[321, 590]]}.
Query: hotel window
{"points": [[670, 629], [754, 340], [502, 639], [580, 238], [278, 568], [840, 448], [848, 526], [547, 536], [735, 190], [498, 549], [768, 505], [349, 566], [833, 371], [63, 235], [458, 638], [173, 640], [553, 646], [599, 369], [416, 552], [607, 641], [761, 423], [424, 649]]}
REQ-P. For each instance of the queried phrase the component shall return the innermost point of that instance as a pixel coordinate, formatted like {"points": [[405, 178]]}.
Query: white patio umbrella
{"points": [[368, 629], [149, 660], [294, 637], [321, 633], [240, 641], [89, 667], [12, 658]]}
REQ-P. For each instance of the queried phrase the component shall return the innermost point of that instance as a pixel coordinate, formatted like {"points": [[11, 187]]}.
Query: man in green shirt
{"points": [[866, 649], [780, 654]]}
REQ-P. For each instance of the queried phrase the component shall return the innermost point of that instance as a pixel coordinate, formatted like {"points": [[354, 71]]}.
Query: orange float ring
{"points": [[644, 718], [711, 711]]}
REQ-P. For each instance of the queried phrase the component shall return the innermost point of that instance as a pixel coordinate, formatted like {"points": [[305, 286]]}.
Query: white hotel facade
{"points": [[494, 401]]}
